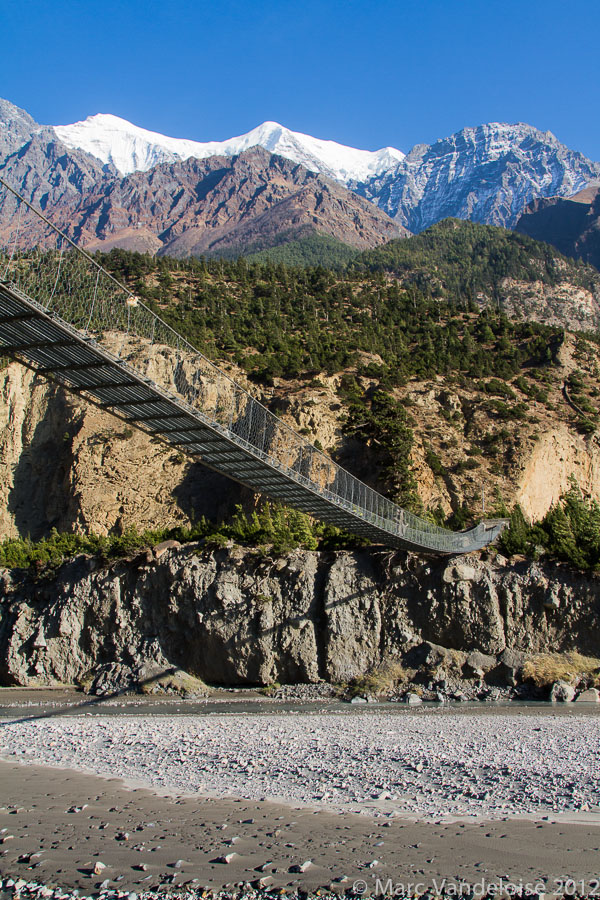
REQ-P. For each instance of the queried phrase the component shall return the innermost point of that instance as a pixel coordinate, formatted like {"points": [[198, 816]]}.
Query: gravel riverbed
{"points": [[429, 764]]}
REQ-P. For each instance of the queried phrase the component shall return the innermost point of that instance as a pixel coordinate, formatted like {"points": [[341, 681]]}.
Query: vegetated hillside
{"points": [[493, 266], [309, 251], [571, 225], [278, 321], [429, 401]]}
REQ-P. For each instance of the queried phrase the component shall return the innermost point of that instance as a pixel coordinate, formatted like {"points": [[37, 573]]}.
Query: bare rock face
{"points": [[68, 465], [16, 127], [571, 224], [236, 617], [558, 456]]}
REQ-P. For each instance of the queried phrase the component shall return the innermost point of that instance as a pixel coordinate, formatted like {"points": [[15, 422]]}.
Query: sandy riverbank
{"points": [[369, 796], [74, 821]]}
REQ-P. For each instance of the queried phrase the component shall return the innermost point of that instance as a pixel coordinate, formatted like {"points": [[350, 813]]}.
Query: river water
{"points": [[26, 702]]}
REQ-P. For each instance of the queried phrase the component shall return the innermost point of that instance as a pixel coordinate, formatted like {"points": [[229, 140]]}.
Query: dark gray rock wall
{"points": [[236, 617]]}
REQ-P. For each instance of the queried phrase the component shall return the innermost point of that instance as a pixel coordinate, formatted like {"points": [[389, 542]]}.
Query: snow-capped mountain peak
{"points": [[487, 173], [130, 148]]}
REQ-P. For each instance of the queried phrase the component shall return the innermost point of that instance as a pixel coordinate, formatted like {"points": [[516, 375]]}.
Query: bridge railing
{"points": [[48, 266]]}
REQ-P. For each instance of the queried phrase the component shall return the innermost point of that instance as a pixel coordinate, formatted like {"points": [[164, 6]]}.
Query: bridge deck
{"points": [[43, 341]]}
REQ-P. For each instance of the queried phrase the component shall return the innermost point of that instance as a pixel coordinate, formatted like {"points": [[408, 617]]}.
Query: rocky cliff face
{"points": [[572, 226], [236, 617], [486, 174], [67, 465]]}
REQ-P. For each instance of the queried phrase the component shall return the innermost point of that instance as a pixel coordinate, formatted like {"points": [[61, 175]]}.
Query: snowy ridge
{"points": [[130, 148]]}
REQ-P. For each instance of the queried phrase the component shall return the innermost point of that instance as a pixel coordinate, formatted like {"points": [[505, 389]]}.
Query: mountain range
{"points": [[486, 174], [111, 183]]}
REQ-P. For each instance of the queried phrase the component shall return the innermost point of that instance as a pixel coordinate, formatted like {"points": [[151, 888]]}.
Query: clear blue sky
{"points": [[363, 72]]}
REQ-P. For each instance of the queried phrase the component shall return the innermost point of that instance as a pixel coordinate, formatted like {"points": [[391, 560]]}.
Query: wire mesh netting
{"points": [[48, 267]]}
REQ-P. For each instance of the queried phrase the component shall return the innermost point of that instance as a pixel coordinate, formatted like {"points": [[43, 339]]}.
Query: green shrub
{"points": [[570, 531], [498, 388], [434, 462]]}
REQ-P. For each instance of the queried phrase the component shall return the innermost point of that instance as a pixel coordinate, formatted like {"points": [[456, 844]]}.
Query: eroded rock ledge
{"points": [[233, 616]]}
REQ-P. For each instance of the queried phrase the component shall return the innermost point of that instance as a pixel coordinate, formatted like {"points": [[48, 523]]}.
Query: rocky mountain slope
{"points": [[238, 617], [220, 204], [223, 204], [485, 174], [571, 225], [494, 267], [46, 172]]}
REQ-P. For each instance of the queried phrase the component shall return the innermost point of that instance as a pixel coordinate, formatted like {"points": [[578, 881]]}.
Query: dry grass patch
{"points": [[175, 682], [381, 680], [546, 668]]}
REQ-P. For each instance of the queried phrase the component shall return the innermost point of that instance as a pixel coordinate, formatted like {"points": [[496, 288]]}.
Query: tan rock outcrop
{"points": [[557, 457], [68, 465]]}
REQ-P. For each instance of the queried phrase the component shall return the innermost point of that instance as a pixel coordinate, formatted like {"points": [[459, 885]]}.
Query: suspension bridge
{"points": [[67, 318]]}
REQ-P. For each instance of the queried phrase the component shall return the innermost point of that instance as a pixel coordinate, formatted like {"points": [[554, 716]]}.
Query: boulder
{"points": [[562, 692], [429, 655], [161, 548], [592, 695], [466, 573], [412, 699], [477, 664], [509, 666], [460, 571]]}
